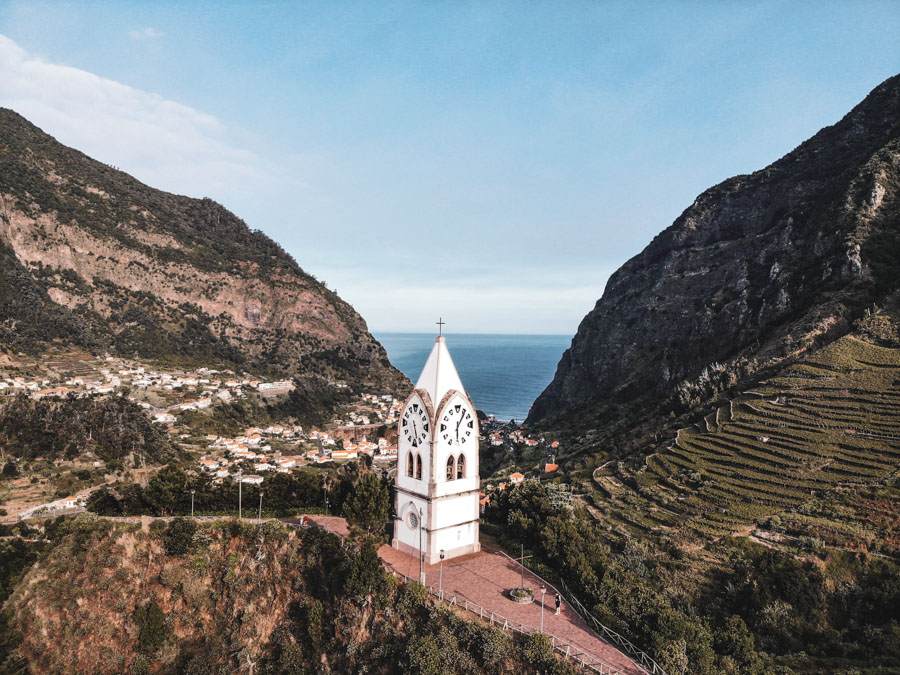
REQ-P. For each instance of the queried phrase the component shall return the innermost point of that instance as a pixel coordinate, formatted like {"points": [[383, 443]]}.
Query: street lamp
{"points": [[421, 552], [192, 503], [543, 590], [441, 578], [259, 515], [240, 496]]}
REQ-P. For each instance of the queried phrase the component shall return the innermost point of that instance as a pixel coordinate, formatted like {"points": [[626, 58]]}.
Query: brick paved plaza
{"points": [[484, 578]]}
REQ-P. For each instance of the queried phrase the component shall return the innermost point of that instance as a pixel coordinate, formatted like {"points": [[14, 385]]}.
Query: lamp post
{"points": [[259, 515], [421, 552], [441, 577], [240, 495], [543, 590], [192, 503]]}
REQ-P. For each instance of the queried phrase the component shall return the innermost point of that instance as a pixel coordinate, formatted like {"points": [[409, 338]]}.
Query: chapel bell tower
{"points": [[437, 465]]}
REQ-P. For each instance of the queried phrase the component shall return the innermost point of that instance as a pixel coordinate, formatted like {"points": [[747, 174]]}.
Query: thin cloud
{"points": [[164, 143], [147, 33]]}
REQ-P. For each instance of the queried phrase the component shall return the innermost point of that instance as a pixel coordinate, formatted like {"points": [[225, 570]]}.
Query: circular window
{"points": [[413, 519]]}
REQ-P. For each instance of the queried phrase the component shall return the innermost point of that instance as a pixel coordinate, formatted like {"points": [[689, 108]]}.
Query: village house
{"points": [[55, 391]]}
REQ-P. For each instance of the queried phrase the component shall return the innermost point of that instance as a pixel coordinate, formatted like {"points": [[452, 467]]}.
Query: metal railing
{"points": [[612, 637], [608, 635], [567, 649]]}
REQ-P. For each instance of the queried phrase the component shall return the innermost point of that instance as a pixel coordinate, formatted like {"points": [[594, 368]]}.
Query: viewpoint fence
{"points": [[612, 637], [567, 649], [608, 635]]}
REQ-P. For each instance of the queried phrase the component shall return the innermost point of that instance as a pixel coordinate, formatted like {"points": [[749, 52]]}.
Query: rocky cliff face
{"points": [[757, 270], [91, 256]]}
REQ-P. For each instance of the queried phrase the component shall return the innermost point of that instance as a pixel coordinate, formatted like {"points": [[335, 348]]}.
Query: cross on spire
{"points": [[441, 323]]}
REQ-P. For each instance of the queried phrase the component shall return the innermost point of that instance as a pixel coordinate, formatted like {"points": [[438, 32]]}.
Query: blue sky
{"points": [[491, 163]]}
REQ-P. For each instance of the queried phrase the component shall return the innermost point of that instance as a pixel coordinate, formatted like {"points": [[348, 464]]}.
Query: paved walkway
{"points": [[484, 578]]}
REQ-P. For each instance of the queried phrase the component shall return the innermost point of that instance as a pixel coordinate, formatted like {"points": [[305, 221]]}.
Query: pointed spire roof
{"points": [[439, 374]]}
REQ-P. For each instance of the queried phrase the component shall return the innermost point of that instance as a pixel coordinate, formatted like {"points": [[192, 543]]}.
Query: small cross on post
{"points": [[441, 323], [521, 559]]}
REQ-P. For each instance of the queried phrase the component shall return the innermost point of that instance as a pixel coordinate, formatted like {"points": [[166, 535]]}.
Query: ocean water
{"points": [[502, 373]]}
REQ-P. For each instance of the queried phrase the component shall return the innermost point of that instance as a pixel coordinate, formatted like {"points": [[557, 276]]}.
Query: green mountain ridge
{"points": [[89, 256]]}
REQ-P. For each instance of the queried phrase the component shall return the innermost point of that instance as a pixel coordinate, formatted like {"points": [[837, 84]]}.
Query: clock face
{"points": [[414, 425], [458, 425]]}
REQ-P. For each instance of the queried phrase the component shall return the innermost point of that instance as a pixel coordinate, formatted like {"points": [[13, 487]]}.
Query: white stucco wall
{"points": [[456, 537], [402, 531], [455, 510]]}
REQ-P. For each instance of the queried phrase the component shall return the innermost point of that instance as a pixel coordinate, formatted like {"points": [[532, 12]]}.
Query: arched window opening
{"points": [[450, 464], [418, 466], [409, 464], [461, 467]]}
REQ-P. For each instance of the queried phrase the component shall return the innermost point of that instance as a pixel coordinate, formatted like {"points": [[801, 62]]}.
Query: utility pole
{"points": [[192, 504], [441, 577], [259, 515], [240, 496]]}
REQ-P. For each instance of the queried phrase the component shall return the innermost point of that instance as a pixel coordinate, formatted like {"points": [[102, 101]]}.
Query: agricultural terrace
{"points": [[813, 446]]}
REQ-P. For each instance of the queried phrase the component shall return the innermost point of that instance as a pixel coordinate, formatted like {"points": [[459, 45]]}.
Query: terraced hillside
{"points": [[817, 447]]}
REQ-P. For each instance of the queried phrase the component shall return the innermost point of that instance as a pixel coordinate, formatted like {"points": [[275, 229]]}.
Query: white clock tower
{"points": [[437, 465]]}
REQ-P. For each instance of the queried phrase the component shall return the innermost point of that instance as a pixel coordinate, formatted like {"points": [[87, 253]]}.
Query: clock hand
{"points": [[457, 426], [414, 429]]}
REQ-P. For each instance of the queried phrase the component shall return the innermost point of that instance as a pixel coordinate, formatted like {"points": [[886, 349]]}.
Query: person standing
{"points": [[558, 603]]}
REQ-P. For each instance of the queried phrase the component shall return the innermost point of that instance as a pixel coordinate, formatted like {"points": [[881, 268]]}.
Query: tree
{"points": [[314, 625], [539, 651], [104, 503], [166, 488], [179, 536], [10, 470], [151, 623], [423, 656], [367, 575], [368, 506]]}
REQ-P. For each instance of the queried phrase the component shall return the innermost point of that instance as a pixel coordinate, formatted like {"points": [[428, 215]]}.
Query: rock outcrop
{"points": [[758, 269], [91, 256]]}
